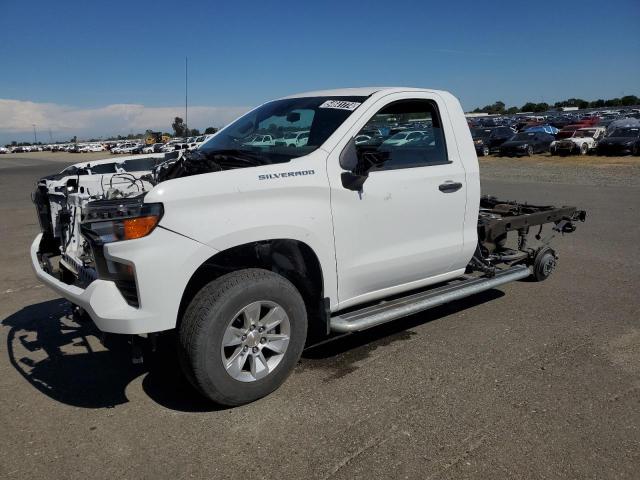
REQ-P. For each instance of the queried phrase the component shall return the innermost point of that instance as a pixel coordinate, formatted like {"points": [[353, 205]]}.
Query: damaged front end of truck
{"points": [[66, 201]]}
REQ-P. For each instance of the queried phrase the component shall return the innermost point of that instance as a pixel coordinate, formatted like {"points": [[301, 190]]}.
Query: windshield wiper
{"points": [[202, 161], [235, 158]]}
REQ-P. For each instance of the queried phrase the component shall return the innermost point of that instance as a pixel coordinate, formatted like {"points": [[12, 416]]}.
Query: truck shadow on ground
{"points": [[63, 359]]}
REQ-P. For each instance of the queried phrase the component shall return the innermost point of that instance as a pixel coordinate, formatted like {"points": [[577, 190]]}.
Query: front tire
{"points": [[242, 335], [584, 149], [529, 150]]}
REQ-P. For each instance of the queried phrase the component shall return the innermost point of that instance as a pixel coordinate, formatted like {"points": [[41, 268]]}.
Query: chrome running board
{"points": [[402, 307]]}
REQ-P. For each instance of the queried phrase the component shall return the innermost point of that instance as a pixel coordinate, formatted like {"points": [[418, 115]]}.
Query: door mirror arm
{"points": [[353, 181]]}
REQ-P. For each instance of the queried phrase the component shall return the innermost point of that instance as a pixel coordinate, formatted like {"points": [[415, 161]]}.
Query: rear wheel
{"points": [[544, 264], [241, 336], [530, 150], [485, 151]]}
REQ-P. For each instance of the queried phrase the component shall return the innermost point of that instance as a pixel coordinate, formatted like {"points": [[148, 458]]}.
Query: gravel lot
{"points": [[528, 381]]}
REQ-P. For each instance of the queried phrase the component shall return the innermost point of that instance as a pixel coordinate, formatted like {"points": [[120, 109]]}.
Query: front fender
{"points": [[235, 207]]}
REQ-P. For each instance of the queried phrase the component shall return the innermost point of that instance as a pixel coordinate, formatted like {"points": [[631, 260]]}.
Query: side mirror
{"points": [[349, 161], [349, 156]]}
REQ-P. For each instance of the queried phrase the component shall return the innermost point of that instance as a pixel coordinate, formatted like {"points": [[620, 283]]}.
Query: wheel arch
{"points": [[293, 259]]}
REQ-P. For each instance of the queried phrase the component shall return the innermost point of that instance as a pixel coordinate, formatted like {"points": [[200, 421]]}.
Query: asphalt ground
{"points": [[531, 380]]}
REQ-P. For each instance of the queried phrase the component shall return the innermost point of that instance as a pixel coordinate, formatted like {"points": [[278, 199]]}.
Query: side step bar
{"points": [[401, 307]]}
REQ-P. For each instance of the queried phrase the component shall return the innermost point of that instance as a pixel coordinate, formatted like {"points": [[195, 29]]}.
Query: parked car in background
{"points": [[123, 147], [4, 150], [489, 139], [155, 148], [526, 144], [583, 141], [404, 137], [173, 144], [132, 149], [622, 141], [260, 141], [567, 131], [546, 128], [294, 139]]}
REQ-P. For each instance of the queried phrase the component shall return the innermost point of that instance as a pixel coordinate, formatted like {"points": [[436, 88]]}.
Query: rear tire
{"points": [[485, 151], [530, 150], [223, 345]]}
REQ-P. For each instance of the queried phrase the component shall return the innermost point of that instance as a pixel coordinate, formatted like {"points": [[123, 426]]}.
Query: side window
{"points": [[404, 134]]}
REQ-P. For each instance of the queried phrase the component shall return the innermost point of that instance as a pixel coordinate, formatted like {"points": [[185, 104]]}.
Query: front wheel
{"points": [[241, 336], [584, 149], [530, 150]]}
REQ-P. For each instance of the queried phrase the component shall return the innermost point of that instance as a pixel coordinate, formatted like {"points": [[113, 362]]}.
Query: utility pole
{"points": [[186, 104], [35, 138], [50, 137]]}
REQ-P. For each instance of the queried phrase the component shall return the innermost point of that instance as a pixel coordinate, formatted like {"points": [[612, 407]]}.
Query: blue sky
{"points": [[89, 60]]}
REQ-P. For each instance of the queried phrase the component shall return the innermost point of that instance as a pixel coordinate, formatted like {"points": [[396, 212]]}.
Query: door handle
{"points": [[450, 187]]}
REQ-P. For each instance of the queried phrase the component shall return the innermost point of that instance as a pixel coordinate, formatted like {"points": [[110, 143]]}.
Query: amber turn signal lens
{"points": [[139, 227]]}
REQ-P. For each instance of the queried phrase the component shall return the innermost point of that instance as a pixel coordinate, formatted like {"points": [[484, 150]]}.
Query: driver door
{"points": [[404, 228]]}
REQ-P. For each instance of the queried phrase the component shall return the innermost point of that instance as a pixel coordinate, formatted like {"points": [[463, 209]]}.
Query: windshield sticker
{"points": [[340, 104]]}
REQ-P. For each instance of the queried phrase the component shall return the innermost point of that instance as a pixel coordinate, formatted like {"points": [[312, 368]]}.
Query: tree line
{"points": [[499, 107]]}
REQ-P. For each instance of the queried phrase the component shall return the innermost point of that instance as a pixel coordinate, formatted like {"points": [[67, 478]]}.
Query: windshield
{"points": [[523, 136], [625, 132], [584, 133], [255, 132], [480, 133]]}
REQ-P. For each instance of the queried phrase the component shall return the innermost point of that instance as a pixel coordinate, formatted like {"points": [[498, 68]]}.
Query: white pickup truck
{"points": [[251, 251]]}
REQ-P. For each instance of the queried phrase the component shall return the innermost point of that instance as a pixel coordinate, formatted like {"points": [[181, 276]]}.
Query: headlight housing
{"points": [[107, 221]]}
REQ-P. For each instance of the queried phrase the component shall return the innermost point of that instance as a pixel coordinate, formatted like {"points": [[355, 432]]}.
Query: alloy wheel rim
{"points": [[255, 341]]}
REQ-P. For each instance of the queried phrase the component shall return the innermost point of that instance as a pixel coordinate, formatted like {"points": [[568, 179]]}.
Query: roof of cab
{"points": [[359, 92]]}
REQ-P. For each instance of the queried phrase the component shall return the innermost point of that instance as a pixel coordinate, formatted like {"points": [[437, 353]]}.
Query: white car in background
{"points": [[153, 148], [173, 144], [121, 148], [4, 150], [295, 139], [132, 149], [402, 138], [583, 141], [260, 141]]}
